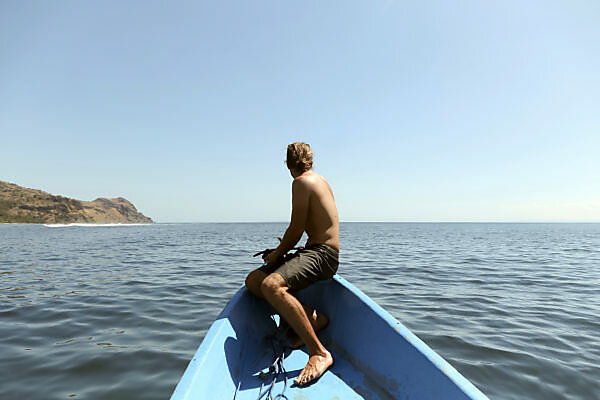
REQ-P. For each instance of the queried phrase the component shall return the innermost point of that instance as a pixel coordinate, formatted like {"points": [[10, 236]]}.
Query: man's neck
{"points": [[297, 173]]}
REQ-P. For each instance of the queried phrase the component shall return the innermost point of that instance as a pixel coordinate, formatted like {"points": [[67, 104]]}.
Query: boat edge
{"points": [[467, 387], [187, 379]]}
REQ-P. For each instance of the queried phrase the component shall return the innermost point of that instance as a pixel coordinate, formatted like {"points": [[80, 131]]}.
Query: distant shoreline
{"points": [[78, 223], [25, 205], [286, 222]]}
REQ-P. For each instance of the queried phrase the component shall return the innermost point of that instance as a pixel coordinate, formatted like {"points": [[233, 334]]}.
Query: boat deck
{"points": [[344, 380]]}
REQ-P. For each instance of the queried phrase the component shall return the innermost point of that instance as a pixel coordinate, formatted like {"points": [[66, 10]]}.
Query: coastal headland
{"points": [[23, 205]]}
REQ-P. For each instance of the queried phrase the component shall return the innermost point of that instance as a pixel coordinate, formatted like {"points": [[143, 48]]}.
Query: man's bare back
{"points": [[313, 212], [322, 224]]}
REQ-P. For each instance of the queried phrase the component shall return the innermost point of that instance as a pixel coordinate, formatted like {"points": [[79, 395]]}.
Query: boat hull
{"points": [[376, 357]]}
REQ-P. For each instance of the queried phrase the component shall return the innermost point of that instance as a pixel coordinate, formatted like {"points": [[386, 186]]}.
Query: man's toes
{"points": [[306, 379]]}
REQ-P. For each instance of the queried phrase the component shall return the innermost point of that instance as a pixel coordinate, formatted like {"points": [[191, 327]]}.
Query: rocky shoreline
{"points": [[23, 205]]}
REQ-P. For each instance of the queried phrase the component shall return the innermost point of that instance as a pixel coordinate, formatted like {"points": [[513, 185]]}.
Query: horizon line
{"points": [[385, 222]]}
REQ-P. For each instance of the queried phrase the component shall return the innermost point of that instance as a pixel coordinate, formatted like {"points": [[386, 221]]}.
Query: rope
{"points": [[278, 345]]}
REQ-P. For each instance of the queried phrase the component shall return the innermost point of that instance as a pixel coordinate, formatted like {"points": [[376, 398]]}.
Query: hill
{"points": [[23, 205]]}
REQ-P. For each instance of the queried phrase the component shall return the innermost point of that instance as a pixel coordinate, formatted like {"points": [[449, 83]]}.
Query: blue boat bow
{"points": [[376, 357]]}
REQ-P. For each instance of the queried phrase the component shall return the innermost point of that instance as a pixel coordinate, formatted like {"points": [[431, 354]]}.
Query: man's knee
{"points": [[250, 279], [273, 284], [254, 281]]}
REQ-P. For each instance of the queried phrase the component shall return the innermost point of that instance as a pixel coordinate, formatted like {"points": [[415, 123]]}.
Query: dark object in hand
{"points": [[264, 253]]}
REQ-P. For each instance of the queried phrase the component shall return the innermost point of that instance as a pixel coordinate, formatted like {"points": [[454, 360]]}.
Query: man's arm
{"points": [[300, 202]]}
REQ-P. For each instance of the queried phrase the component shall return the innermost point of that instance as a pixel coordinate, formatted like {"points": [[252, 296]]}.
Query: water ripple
{"points": [[118, 312]]}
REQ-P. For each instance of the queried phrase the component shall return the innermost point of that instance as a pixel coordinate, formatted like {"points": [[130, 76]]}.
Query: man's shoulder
{"points": [[301, 183], [310, 182]]}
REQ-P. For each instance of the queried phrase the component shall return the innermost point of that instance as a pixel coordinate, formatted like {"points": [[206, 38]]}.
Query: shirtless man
{"points": [[313, 212]]}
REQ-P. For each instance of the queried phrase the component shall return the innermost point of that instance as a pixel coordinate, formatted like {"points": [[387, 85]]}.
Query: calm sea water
{"points": [[117, 312]]}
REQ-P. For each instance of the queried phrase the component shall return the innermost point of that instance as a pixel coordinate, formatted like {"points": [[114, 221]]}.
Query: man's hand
{"points": [[263, 253], [271, 257]]}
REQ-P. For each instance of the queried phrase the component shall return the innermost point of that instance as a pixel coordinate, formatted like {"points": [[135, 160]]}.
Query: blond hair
{"points": [[299, 156]]}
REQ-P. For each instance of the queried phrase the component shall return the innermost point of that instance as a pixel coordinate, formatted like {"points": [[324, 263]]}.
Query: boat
{"points": [[376, 356]]}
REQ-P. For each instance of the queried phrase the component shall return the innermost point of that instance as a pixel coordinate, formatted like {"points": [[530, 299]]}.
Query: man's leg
{"points": [[317, 319], [274, 289], [253, 282]]}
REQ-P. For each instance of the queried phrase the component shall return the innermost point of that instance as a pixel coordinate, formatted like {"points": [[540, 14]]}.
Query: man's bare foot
{"points": [[317, 320], [316, 366]]}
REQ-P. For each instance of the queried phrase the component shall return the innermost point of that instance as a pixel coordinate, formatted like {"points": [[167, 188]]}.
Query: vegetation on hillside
{"points": [[23, 205]]}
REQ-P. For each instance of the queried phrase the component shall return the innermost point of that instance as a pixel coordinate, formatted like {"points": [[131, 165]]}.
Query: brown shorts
{"points": [[311, 264]]}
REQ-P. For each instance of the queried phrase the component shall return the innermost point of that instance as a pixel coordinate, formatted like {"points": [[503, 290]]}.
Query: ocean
{"points": [[116, 312]]}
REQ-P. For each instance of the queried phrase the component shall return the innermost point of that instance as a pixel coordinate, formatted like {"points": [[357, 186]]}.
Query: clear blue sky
{"points": [[416, 111]]}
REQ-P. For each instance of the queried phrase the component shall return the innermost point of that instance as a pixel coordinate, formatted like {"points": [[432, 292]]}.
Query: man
{"points": [[313, 212]]}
